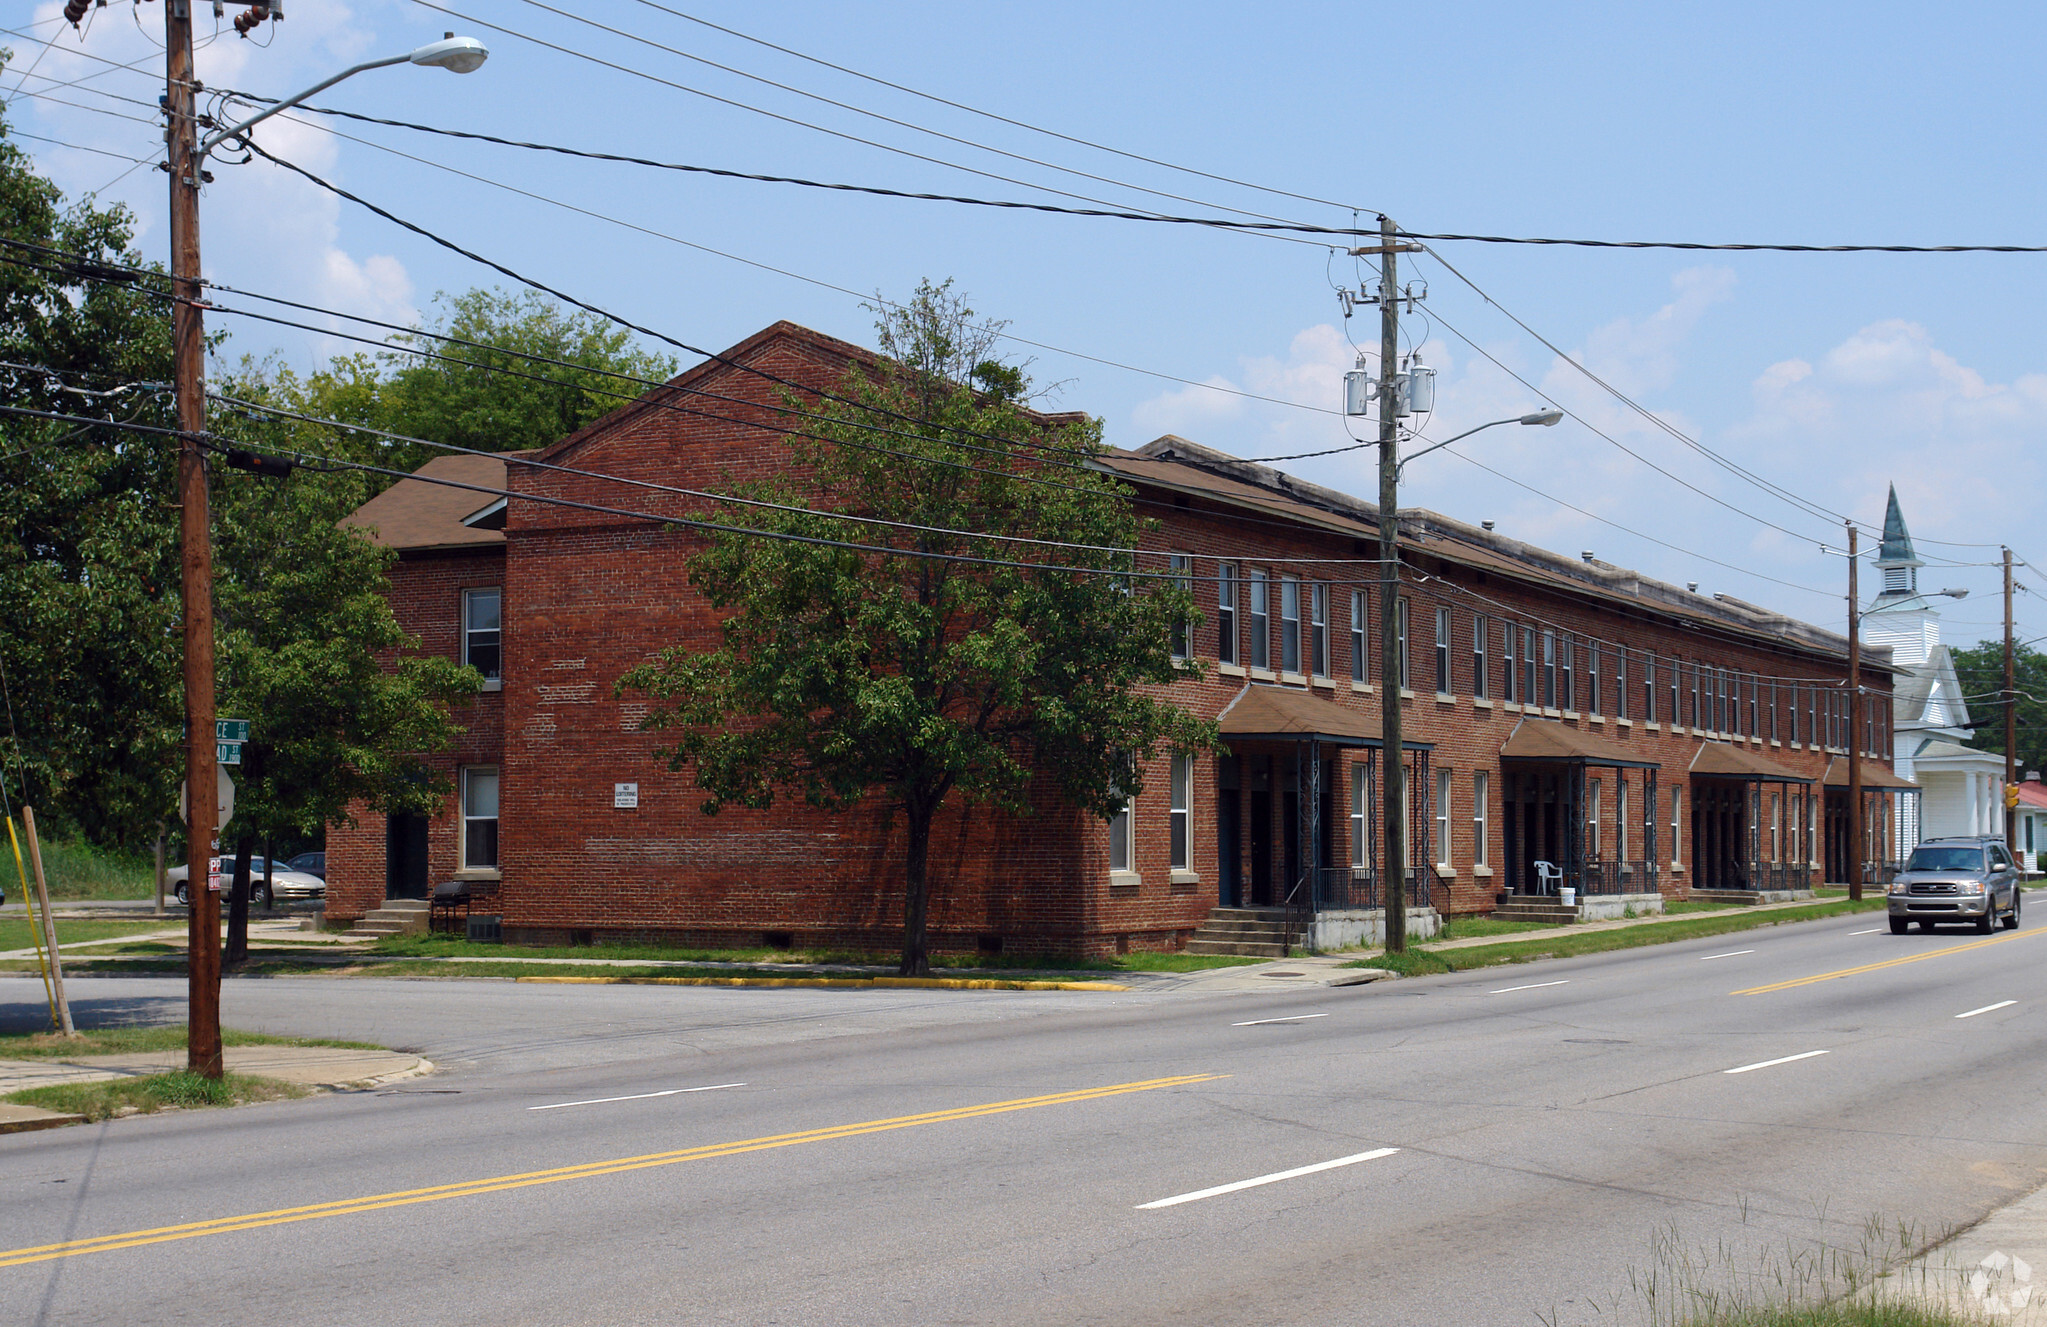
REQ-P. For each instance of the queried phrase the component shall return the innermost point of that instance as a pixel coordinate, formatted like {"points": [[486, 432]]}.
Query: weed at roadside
{"points": [[182, 1090]]}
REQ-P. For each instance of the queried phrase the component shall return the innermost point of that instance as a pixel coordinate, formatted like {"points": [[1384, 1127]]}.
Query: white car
{"points": [[286, 886]]}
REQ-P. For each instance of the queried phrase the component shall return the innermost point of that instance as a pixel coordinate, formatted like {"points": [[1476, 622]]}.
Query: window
{"points": [[1289, 625], [480, 818], [1620, 817], [1549, 670], [483, 631], [1592, 678], [1697, 720], [1318, 628], [1675, 669], [1360, 645], [1620, 682], [1567, 672], [1511, 676], [1443, 818], [1226, 612], [1360, 814], [1773, 709], [1593, 791], [1481, 797], [1677, 810], [1531, 669], [1181, 567], [1400, 640], [1119, 839], [1183, 810], [1776, 826], [1442, 651], [1648, 688], [1478, 677], [1261, 623]]}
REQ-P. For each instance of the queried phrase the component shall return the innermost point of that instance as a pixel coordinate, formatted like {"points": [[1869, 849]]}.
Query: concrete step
{"points": [[1214, 927], [1556, 914]]}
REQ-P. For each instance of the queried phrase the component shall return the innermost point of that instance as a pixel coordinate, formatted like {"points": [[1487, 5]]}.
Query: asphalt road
{"points": [[1513, 1145]]}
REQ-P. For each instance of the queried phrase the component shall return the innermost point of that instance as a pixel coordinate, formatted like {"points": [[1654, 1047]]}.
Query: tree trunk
{"points": [[916, 895], [237, 947]]}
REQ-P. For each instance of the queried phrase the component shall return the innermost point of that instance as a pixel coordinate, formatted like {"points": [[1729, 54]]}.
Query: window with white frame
{"points": [[1318, 628], [1620, 817], [1620, 682], [1181, 568], [1481, 814], [1776, 826], [1592, 678], [1773, 709], [1289, 625], [1400, 641], [1549, 670], [1478, 660], [1677, 812], [1648, 688], [1360, 648], [1531, 669], [1567, 671], [1261, 623], [1593, 789], [1119, 840], [1360, 813], [1183, 813], [479, 818], [1443, 784], [1511, 692], [483, 631], [1442, 651], [1226, 613]]}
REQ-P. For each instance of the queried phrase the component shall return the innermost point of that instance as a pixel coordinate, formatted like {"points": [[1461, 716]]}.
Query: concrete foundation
{"points": [[1365, 928]]}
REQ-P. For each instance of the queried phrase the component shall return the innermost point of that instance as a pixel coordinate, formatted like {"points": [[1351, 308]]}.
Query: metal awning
{"points": [[1266, 713], [1538, 739], [1719, 760], [1874, 776]]}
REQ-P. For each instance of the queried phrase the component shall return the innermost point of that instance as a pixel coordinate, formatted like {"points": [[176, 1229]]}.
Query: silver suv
{"points": [[1956, 880]]}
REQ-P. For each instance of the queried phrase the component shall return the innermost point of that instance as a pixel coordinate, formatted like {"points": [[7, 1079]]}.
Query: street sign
{"points": [[224, 798], [227, 753], [230, 730]]}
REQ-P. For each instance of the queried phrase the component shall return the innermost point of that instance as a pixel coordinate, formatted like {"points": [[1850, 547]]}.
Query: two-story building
{"points": [[1568, 723]]}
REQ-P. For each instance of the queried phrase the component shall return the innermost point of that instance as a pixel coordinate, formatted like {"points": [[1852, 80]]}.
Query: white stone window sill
{"points": [[1445, 698], [1121, 879], [1320, 681], [1263, 675], [1775, 742], [1677, 868], [1482, 871], [1624, 723], [1186, 877], [1294, 679], [1362, 688], [1651, 726], [1446, 871], [1599, 719], [1405, 694], [1511, 707], [1553, 714], [479, 873], [492, 684], [1480, 703], [1230, 669], [1571, 714]]}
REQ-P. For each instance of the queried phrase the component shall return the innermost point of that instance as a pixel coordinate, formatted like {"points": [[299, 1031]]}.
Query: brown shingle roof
{"points": [[1282, 713], [1720, 760], [417, 514], [1874, 775], [1536, 739]]}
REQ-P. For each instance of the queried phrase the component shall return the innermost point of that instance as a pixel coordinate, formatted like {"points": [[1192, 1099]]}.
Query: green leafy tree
{"points": [[847, 677], [1980, 669]]}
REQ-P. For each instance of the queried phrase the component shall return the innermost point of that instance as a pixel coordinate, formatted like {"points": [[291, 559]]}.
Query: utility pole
{"points": [[1854, 724], [1390, 679], [2011, 733], [188, 346]]}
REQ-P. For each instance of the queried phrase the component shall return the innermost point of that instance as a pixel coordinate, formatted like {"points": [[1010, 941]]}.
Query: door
{"points": [[1229, 863], [405, 860], [1261, 848]]}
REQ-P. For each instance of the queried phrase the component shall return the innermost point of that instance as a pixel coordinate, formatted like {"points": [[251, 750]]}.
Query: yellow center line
{"points": [[587, 1170], [1920, 957]]}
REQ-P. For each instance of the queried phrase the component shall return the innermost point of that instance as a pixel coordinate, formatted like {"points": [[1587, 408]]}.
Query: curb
{"points": [[25, 1119], [837, 983]]}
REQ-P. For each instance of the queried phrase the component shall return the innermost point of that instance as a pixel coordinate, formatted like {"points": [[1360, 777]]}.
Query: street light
{"points": [[195, 535], [460, 54], [1546, 418]]}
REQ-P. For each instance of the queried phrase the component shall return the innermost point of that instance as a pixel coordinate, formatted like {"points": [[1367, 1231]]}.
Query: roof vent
{"points": [[1693, 586], [1487, 524], [1586, 554]]}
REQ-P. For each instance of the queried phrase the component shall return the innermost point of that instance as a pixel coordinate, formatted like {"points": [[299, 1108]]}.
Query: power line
{"points": [[1002, 119], [1743, 248]]}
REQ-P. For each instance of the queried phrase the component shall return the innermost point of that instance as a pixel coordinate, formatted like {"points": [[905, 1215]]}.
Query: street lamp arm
{"points": [[214, 140], [1545, 417]]}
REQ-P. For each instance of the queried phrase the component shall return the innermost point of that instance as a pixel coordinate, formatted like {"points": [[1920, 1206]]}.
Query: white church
{"points": [[1961, 787]]}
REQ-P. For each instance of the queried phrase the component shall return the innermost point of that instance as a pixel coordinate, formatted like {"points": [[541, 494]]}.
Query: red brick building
{"points": [[1569, 724]]}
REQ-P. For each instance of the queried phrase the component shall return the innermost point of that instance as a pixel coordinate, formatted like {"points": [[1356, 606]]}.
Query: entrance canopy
{"points": [[1536, 739], [1874, 775], [1265, 713], [1718, 760]]}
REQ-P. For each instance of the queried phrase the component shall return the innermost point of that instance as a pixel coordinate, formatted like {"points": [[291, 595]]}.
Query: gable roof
{"points": [[1723, 760], [1915, 691], [1874, 775], [1539, 739], [418, 514], [1263, 712]]}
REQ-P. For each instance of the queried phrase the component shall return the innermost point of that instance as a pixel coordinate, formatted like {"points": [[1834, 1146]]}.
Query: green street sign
{"points": [[227, 753], [230, 730]]}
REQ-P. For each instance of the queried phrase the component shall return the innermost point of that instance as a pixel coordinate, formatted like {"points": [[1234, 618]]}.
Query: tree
{"points": [[1980, 669], [911, 678]]}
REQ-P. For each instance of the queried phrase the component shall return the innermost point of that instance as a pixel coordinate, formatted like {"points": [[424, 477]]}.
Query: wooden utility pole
{"points": [[2011, 726], [1854, 724], [1393, 869], [188, 346], [42, 886]]}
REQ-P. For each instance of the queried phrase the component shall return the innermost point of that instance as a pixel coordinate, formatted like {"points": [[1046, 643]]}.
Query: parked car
{"points": [[312, 863], [1956, 880], [287, 885]]}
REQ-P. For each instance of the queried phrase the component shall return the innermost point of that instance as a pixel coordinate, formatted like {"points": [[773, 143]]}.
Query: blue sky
{"points": [[1832, 376]]}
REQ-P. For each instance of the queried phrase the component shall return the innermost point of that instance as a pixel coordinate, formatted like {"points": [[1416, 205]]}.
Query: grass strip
{"points": [[182, 1090], [143, 1040], [1421, 962], [15, 932], [435, 946]]}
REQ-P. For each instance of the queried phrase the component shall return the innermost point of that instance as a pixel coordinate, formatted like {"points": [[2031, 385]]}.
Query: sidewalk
{"points": [[1995, 1269]]}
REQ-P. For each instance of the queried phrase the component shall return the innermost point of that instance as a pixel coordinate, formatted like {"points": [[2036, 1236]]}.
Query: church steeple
{"points": [[1896, 558]]}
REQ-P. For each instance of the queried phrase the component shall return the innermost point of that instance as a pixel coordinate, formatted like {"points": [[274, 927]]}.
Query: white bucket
{"points": [[1568, 896]]}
